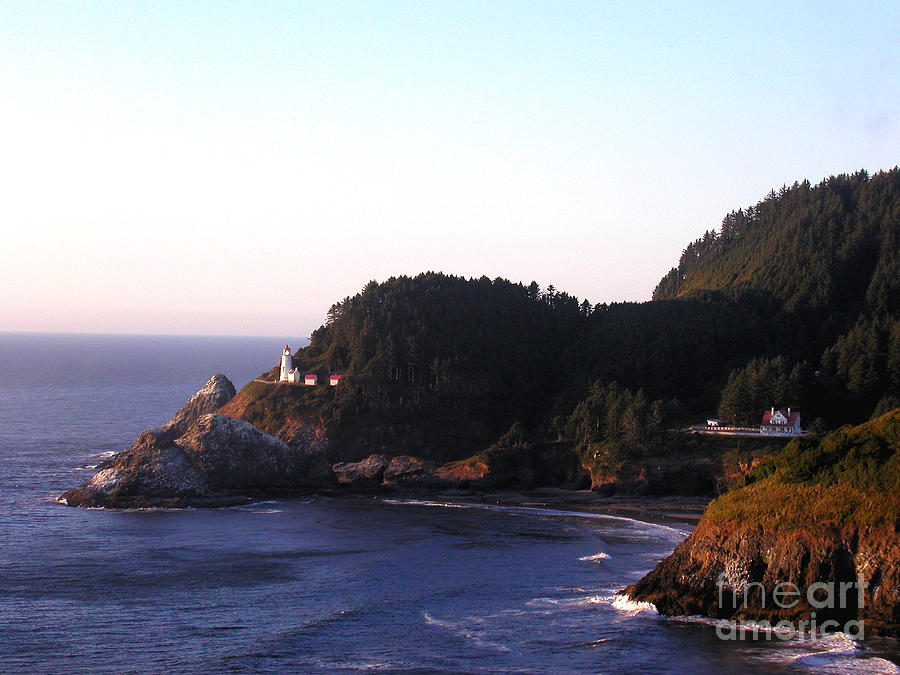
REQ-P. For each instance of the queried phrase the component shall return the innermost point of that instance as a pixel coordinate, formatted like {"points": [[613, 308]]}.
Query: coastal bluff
{"points": [[219, 460], [207, 455], [822, 515], [709, 573], [198, 458]]}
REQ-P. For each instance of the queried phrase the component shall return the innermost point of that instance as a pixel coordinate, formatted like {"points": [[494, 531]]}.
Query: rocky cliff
{"points": [[202, 458], [219, 460], [207, 456], [217, 391], [813, 536], [745, 573]]}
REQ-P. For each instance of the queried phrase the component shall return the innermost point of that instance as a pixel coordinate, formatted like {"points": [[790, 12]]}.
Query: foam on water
{"points": [[831, 653], [828, 653], [625, 604], [569, 602], [597, 557], [543, 511], [470, 628], [255, 507]]}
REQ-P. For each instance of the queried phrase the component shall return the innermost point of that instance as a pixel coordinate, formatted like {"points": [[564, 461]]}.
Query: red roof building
{"points": [[780, 423]]}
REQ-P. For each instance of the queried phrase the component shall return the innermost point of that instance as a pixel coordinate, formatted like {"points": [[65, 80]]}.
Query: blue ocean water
{"points": [[322, 583]]}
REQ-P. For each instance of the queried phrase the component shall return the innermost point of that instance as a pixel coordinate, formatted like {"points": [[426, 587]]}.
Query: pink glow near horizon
{"points": [[236, 170]]}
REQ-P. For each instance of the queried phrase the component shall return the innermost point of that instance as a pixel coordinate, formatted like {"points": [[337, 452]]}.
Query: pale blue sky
{"points": [[235, 168]]}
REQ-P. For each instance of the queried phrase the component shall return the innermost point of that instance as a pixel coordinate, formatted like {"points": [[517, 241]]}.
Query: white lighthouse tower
{"points": [[288, 373]]}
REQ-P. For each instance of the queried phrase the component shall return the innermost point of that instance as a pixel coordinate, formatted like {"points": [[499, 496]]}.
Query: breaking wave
{"points": [[597, 557], [625, 604]]}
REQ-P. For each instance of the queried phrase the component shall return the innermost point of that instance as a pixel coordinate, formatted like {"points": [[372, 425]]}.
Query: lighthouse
{"points": [[288, 372]]}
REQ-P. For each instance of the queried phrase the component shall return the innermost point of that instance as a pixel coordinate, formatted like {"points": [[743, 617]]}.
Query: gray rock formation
{"points": [[367, 473], [216, 392], [219, 460]]}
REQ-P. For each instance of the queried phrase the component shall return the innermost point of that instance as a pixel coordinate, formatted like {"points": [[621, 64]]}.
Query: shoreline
{"points": [[662, 510]]}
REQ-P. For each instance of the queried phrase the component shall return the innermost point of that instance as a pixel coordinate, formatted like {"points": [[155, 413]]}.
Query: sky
{"points": [[235, 168]]}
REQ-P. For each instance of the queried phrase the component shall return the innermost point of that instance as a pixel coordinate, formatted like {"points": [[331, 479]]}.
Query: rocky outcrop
{"points": [[203, 458], [464, 472], [367, 473], [209, 453], [709, 573], [406, 472], [219, 460], [409, 471], [216, 392], [233, 455]]}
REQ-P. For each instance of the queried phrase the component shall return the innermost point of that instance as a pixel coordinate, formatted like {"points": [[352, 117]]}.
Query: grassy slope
{"points": [[280, 408], [851, 476]]}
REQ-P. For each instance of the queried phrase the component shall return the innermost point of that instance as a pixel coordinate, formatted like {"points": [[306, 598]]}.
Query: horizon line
{"points": [[121, 334]]}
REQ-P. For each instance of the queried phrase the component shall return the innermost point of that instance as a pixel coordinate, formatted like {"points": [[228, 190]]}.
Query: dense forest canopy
{"points": [[445, 362], [827, 257], [793, 302], [832, 247]]}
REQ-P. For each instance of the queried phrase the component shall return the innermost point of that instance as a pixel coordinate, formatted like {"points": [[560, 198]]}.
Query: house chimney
{"points": [[772, 411]]}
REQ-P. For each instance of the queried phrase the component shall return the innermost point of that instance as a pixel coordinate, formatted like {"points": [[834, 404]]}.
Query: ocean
{"points": [[320, 583]]}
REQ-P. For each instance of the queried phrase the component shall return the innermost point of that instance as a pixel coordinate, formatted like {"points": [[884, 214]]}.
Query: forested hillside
{"points": [[826, 258], [441, 366], [832, 248], [794, 302]]}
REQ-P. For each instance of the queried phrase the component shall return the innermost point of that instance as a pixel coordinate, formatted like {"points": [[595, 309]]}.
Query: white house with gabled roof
{"points": [[780, 423]]}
